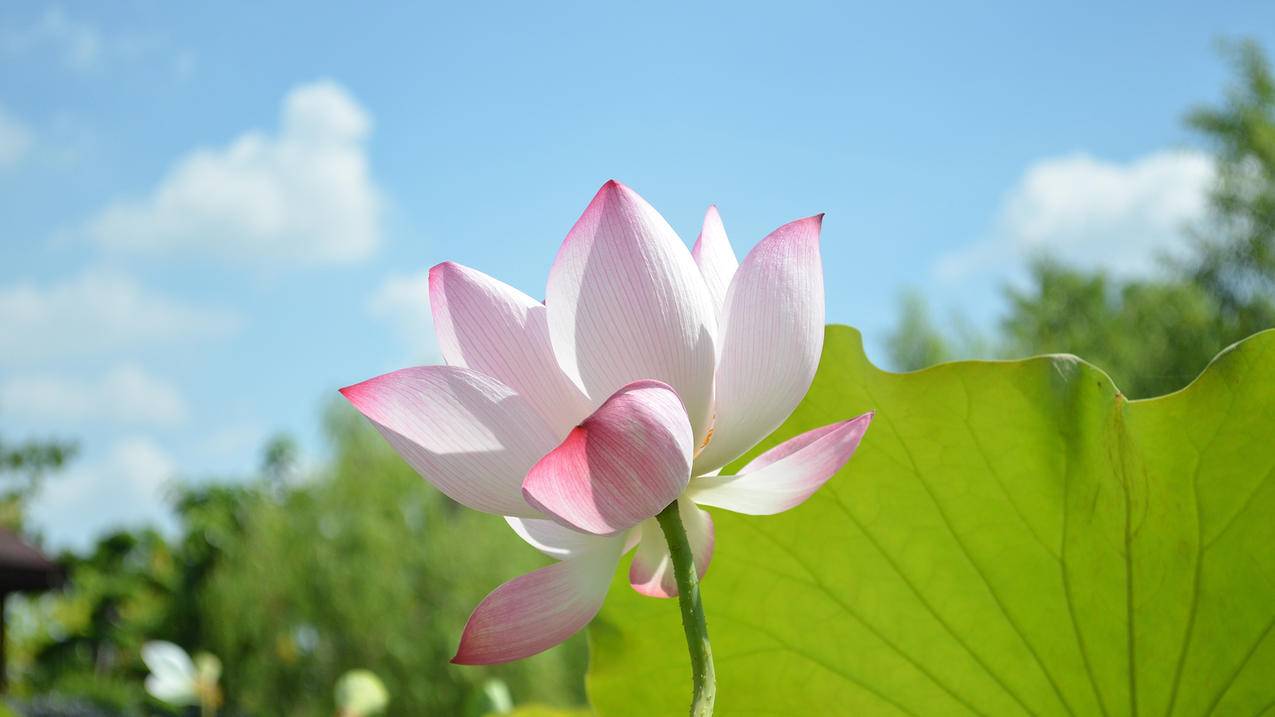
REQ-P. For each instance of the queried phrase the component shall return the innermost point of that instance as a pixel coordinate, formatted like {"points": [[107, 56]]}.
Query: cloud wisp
{"points": [[124, 395], [1120, 217], [15, 139], [304, 195], [97, 312], [84, 48]]}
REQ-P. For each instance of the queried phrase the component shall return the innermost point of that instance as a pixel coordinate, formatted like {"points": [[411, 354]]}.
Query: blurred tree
{"points": [[88, 636], [279, 459], [23, 467], [915, 342], [293, 583], [366, 566], [1152, 337], [1235, 257]]}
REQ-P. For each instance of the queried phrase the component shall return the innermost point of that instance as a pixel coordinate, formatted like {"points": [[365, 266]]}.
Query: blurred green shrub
{"points": [[294, 578]]}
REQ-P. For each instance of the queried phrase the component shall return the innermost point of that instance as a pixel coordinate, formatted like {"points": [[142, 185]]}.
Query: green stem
{"points": [[688, 599]]}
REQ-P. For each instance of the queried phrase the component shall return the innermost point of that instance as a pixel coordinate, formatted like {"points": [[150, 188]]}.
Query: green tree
{"points": [[1155, 336], [87, 637], [365, 566], [916, 342], [292, 580], [23, 468], [1235, 251]]}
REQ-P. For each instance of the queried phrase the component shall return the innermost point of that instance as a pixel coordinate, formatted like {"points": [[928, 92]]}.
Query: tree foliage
{"points": [[293, 579]]}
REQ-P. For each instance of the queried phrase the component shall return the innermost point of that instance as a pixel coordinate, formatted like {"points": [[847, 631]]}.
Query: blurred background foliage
{"points": [[1151, 335], [297, 574], [292, 578]]}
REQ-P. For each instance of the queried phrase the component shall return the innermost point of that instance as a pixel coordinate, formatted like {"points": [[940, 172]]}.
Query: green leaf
{"points": [[1011, 537]]}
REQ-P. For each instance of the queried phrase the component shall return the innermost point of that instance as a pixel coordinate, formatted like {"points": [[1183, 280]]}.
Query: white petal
{"points": [[626, 302], [715, 258], [556, 541], [470, 435], [772, 336], [171, 691], [786, 475], [168, 661], [493, 328]]}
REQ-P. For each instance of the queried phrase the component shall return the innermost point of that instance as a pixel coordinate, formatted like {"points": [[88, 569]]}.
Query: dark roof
{"points": [[24, 568]]}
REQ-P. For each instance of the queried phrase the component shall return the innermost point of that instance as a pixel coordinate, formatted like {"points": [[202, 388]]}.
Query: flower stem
{"points": [[688, 599]]}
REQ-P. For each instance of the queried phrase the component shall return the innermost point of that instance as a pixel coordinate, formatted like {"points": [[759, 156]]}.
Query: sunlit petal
{"points": [[470, 435], [626, 302], [786, 475], [772, 335], [493, 328]]}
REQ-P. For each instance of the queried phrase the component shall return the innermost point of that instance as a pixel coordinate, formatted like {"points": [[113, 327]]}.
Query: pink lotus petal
{"points": [[772, 335], [651, 572], [493, 328], [715, 258], [624, 464], [789, 447], [786, 475], [534, 612], [470, 435], [626, 302]]}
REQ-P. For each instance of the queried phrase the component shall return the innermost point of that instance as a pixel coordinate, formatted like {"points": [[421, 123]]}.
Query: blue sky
{"points": [[216, 215]]}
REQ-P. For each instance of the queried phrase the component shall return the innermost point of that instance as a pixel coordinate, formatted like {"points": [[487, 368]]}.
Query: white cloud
{"points": [[1093, 213], [15, 139], [96, 312], [83, 47], [79, 45], [304, 195], [125, 487], [123, 395], [402, 301]]}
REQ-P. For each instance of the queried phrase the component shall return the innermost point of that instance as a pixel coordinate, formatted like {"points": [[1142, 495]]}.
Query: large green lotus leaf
{"points": [[1011, 537]]}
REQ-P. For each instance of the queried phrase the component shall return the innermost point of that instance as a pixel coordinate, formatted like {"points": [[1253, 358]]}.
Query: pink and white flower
{"points": [[646, 370]]}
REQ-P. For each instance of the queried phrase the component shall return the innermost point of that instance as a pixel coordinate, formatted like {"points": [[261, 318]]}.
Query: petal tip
{"points": [[353, 393], [612, 186], [437, 271], [437, 291], [440, 272]]}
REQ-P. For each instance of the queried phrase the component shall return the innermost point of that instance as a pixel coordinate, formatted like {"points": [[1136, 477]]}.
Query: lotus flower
{"points": [[178, 680], [646, 370], [360, 693]]}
